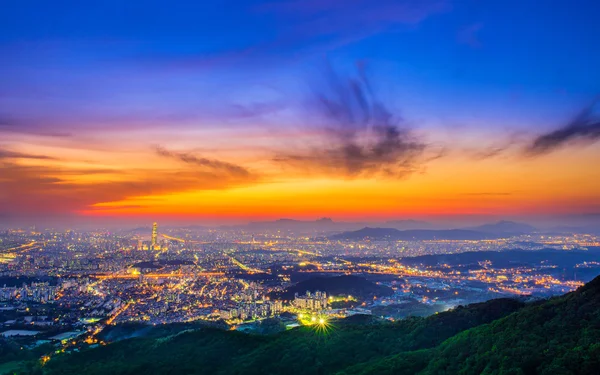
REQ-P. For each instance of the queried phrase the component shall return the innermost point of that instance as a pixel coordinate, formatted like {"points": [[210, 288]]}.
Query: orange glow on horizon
{"points": [[136, 182]]}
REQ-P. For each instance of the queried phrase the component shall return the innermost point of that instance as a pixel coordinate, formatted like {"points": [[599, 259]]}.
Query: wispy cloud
{"points": [[301, 27], [325, 17], [361, 136], [585, 127], [10, 124], [498, 147], [210, 164], [7, 154]]}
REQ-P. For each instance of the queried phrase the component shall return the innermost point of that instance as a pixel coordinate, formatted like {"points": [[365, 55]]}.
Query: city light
{"points": [[105, 279]]}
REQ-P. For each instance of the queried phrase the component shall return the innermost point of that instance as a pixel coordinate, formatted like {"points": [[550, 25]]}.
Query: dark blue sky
{"points": [[541, 58]]}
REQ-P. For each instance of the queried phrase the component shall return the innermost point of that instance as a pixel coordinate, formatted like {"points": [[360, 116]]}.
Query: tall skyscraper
{"points": [[154, 235]]}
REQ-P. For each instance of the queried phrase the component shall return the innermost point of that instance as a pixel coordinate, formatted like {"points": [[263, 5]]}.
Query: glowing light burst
{"points": [[320, 323], [322, 326]]}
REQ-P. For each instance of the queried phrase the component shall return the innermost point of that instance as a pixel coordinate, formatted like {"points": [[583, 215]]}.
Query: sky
{"points": [[231, 111]]}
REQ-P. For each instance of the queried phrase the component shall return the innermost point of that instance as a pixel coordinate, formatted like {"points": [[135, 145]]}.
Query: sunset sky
{"points": [[230, 111]]}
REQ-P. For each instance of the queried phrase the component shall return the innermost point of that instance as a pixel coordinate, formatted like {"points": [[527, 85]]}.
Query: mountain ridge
{"points": [[411, 235], [505, 227]]}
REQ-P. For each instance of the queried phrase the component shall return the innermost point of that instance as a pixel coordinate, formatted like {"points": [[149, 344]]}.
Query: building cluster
{"points": [[251, 304], [253, 310], [34, 292], [154, 243], [311, 301]]}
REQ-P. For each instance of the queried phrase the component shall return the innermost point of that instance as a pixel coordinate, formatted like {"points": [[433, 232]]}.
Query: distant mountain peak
{"points": [[325, 220], [510, 222], [410, 235], [405, 224], [505, 226], [282, 220]]}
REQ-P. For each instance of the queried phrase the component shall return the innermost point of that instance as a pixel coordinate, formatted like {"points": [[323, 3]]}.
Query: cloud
{"points": [[320, 17], [7, 154], [10, 124], [40, 191], [5, 121], [360, 135], [585, 127], [83, 121], [211, 164], [497, 147]]}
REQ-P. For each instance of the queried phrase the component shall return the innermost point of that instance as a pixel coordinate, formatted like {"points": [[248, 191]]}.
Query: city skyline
{"points": [[246, 111]]}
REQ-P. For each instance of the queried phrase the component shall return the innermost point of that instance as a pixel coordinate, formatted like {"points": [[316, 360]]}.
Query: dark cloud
{"points": [[585, 127], [211, 164], [7, 154], [361, 136], [489, 153]]}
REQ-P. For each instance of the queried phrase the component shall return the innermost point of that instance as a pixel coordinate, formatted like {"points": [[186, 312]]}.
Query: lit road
{"points": [[243, 266], [184, 240], [173, 238], [24, 247]]}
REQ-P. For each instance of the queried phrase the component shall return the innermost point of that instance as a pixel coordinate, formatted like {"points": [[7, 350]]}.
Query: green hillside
{"points": [[561, 336], [558, 336]]}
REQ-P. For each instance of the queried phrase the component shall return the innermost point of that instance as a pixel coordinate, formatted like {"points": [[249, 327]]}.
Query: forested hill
{"points": [[299, 351], [561, 336], [557, 336]]}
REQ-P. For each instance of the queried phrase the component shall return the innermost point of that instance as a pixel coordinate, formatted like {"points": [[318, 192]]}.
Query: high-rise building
{"points": [[154, 235], [316, 302]]}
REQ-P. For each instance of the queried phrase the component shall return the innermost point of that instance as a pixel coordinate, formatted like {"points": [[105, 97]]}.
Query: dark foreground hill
{"points": [[557, 336]]}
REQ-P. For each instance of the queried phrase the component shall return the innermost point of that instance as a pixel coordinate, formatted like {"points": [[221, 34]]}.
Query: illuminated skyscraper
{"points": [[154, 235]]}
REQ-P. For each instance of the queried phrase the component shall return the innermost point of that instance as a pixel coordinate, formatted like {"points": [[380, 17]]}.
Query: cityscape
{"points": [[64, 288]]}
